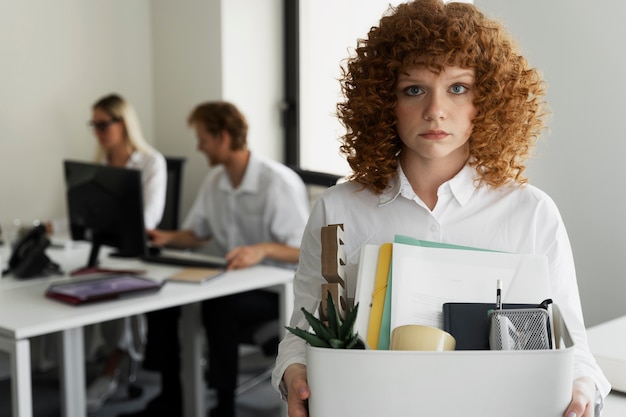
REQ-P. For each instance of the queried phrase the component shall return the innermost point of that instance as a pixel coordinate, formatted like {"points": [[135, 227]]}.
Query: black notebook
{"points": [[469, 323]]}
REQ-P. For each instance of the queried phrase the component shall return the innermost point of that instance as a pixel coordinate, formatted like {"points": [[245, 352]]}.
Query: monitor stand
{"points": [[92, 263]]}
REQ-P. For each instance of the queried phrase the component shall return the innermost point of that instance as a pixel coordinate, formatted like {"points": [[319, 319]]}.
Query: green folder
{"points": [[406, 240]]}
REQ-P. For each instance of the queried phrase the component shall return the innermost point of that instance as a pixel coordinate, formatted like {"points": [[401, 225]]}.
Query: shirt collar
{"points": [[462, 185], [250, 181], [135, 157]]}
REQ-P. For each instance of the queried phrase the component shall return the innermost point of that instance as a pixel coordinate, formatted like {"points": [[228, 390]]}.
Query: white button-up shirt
{"points": [[270, 205], [512, 218], [154, 184]]}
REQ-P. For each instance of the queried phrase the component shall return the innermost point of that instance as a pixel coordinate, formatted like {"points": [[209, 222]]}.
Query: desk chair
{"points": [[171, 212], [266, 335]]}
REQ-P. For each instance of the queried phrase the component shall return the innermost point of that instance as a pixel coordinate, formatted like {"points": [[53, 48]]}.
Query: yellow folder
{"points": [[378, 296]]}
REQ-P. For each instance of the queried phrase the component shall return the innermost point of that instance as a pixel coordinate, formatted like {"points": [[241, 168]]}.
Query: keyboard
{"points": [[184, 258]]}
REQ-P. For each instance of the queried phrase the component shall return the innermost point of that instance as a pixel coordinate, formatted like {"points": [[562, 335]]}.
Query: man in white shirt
{"points": [[253, 210]]}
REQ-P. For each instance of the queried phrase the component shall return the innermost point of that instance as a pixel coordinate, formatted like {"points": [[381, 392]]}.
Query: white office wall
{"points": [[57, 58], [216, 50], [187, 70], [578, 45], [252, 62]]}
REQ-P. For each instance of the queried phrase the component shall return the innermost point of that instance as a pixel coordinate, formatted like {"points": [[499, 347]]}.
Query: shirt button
{"points": [[434, 228]]}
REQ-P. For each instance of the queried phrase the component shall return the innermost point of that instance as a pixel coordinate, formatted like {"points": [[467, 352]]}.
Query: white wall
{"points": [[58, 57], [210, 50], [252, 61], [578, 45], [187, 49]]}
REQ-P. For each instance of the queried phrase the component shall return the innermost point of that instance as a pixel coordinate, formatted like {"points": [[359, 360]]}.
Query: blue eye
{"points": [[413, 91], [458, 89]]}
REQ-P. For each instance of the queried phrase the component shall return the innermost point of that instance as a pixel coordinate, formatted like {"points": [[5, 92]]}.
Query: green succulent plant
{"points": [[335, 334]]}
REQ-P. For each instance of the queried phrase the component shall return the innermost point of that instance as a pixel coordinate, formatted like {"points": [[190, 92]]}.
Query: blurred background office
{"points": [[164, 56]]}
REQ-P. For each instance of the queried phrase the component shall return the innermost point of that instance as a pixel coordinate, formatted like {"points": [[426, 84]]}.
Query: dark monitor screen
{"points": [[105, 207]]}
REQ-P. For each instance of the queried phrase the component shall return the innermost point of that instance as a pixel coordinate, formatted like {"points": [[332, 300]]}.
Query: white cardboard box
{"points": [[382, 383], [374, 383]]}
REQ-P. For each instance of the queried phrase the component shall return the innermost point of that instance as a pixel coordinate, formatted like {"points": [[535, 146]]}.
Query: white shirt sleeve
{"points": [[154, 182]]}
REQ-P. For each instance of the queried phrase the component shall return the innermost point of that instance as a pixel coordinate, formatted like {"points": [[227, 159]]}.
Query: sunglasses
{"points": [[102, 126]]}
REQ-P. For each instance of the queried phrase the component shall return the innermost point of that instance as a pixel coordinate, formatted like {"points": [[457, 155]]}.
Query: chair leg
{"points": [[135, 353], [254, 381], [134, 389]]}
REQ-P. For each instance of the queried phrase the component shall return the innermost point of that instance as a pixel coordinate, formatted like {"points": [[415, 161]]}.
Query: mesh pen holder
{"points": [[520, 329]]}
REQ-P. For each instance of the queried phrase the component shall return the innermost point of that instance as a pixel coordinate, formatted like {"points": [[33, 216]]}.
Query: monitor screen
{"points": [[105, 207]]}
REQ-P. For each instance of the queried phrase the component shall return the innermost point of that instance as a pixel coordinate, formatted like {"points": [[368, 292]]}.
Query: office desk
{"points": [[25, 313], [615, 405]]}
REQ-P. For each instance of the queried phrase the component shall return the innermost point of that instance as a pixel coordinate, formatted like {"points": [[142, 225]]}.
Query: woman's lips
{"points": [[434, 134]]}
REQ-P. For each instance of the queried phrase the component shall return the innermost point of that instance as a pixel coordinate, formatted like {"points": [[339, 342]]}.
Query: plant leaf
{"points": [[318, 327], [352, 342], [334, 321], [337, 343], [310, 338], [347, 326]]}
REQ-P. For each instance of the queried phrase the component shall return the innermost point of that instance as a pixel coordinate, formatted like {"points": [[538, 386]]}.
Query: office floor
{"points": [[260, 401]]}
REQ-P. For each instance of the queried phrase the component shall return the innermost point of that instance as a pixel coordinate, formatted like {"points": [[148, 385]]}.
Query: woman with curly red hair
{"points": [[441, 113]]}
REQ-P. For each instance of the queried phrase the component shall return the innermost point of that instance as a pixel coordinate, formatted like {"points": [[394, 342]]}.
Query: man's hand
{"points": [[184, 239], [245, 256], [583, 398], [159, 237]]}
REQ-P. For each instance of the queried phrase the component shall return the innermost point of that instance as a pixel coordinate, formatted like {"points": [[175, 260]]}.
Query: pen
{"points": [[499, 295]]}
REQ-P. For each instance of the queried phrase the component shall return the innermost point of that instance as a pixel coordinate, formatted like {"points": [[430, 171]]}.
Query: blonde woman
{"points": [[121, 144]]}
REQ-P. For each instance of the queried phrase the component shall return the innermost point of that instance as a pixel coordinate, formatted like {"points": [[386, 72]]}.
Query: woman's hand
{"points": [[297, 390], [583, 398]]}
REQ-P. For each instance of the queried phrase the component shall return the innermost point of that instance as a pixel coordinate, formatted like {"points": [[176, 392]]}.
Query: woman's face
{"points": [[434, 113], [110, 133]]}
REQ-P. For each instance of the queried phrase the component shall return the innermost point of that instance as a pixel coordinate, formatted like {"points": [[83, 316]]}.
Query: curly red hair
{"points": [[509, 94]]}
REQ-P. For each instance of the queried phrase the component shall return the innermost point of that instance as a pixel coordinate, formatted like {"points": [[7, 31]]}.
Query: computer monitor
{"points": [[105, 207]]}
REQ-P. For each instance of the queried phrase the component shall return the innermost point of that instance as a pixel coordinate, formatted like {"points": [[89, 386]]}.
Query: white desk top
{"points": [[615, 405], [607, 342], [48, 316]]}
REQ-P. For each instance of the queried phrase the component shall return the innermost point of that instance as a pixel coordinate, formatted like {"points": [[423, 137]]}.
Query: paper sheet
{"points": [[424, 278], [196, 275]]}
